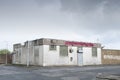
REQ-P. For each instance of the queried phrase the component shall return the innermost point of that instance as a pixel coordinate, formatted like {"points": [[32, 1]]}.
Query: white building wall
{"points": [[36, 55], [33, 60], [41, 55], [16, 58], [66, 60], [24, 55], [88, 59], [31, 55], [52, 57], [13, 58], [73, 55], [99, 58], [48, 57]]}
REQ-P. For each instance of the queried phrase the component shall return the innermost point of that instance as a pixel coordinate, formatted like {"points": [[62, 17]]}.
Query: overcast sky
{"points": [[78, 20]]}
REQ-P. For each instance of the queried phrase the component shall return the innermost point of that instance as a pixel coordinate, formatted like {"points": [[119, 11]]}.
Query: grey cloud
{"points": [[112, 6], [22, 21], [86, 6], [95, 15], [45, 2], [16, 3], [82, 6], [86, 15], [66, 19]]}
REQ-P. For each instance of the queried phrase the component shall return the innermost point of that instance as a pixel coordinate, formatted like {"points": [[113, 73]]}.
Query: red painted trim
{"points": [[79, 44]]}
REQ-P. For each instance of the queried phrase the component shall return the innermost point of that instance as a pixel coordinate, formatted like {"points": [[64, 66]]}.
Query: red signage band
{"points": [[79, 44]]}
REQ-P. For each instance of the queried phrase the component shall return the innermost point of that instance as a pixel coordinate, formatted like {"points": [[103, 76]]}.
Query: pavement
{"points": [[11, 72]]}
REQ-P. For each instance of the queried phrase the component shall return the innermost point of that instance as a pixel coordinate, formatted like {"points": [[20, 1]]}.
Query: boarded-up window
{"points": [[94, 51], [63, 50], [52, 47]]}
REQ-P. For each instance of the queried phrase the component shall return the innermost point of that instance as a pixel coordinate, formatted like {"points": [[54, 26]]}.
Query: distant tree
{"points": [[4, 51]]}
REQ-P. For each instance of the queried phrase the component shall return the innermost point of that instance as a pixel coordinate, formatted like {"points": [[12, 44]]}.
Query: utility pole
{"points": [[28, 46], [6, 52]]}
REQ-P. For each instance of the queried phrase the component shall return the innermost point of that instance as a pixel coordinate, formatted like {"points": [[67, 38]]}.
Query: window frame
{"points": [[65, 54], [94, 52], [52, 47]]}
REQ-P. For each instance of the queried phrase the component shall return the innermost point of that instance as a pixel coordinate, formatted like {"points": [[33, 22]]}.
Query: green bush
{"points": [[4, 51]]}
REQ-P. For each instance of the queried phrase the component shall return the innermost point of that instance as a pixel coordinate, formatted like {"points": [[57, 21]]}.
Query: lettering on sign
{"points": [[79, 44]]}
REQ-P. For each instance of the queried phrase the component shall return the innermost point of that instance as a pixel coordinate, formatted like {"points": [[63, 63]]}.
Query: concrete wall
{"points": [[35, 55], [88, 59], [20, 56], [31, 55], [110, 56], [52, 58], [73, 55], [41, 55], [16, 58], [38, 55], [23, 55]]}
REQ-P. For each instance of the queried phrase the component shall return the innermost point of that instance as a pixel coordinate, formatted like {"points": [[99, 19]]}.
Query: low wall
{"points": [[110, 56], [3, 58]]}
